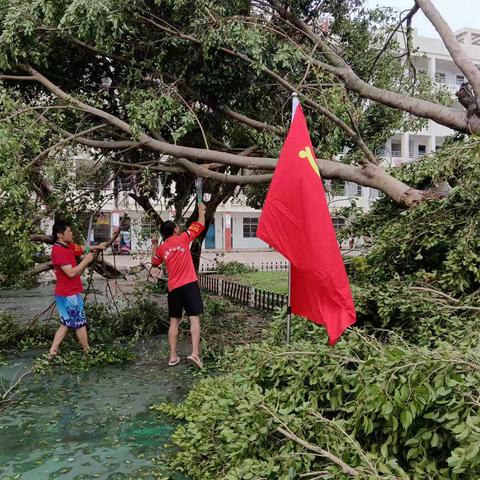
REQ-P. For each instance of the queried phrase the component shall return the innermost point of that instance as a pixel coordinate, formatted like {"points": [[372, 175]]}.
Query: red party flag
{"points": [[296, 222]]}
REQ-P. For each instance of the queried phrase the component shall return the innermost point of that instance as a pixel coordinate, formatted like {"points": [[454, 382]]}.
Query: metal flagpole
{"points": [[295, 103], [199, 189], [90, 228]]}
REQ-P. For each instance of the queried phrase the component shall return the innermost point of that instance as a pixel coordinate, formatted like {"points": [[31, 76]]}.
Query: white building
{"points": [[234, 226], [433, 59]]}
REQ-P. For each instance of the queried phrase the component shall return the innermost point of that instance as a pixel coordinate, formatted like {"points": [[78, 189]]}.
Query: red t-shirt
{"points": [[175, 252], [65, 286], [76, 249]]}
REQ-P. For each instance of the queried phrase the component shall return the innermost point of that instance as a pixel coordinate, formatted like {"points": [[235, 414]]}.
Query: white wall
{"points": [[219, 230], [238, 241], [139, 244]]}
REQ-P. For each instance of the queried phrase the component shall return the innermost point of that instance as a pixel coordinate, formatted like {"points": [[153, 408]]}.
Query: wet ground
{"points": [[26, 304], [92, 425]]}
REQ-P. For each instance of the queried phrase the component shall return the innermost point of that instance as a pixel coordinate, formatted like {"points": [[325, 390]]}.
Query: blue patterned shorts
{"points": [[71, 311]]}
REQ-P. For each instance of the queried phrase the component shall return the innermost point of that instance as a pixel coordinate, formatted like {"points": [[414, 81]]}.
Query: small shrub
{"points": [[233, 268], [9, 328], [159, 287], [40, 336], [15, 335], [215, 306], [144, 317], [103, 323]]}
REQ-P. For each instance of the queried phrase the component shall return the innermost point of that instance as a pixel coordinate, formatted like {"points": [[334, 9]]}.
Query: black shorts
{"points": [[188, 298]]}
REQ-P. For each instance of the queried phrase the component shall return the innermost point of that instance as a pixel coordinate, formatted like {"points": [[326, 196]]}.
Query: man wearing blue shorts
{"points": [[68, 287]]}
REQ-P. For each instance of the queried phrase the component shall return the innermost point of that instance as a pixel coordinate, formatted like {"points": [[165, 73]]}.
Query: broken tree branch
{"points": [[369, 175], [147, 141], [446, 116], [320, 451], [408, 17], [370, 157]]}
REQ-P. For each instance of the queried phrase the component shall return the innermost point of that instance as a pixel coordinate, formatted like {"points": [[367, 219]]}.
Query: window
{"points": [[338, 222], [460, 79], [422, 150], [101, 233], [359, 190], [337, 187], [441, 77], [147, 227], [396, 150], [250, 227], [124, 184], [475, 39]]}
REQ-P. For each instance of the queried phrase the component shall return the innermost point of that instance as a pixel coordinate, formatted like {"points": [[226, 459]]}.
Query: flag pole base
{"points": [[289, 324]]}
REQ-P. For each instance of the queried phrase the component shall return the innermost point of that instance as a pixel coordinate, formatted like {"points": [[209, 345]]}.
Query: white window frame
{"points": [[396, 153], [338, 222], [250, 225], [441, 77]]}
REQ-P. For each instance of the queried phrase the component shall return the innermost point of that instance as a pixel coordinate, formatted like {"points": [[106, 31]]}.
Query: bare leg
{"points": [[83, 338], [173, 336], [58, 339], [195, 333]]}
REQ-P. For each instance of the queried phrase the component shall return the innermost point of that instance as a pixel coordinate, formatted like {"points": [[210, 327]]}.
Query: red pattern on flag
{"points": [[296, 222]]}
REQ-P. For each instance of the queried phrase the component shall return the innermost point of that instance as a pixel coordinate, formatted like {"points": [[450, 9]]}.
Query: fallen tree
{"points": [[255, 28]]}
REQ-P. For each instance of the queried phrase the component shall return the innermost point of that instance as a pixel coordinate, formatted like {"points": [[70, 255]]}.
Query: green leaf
{"points": [[406, 419]]}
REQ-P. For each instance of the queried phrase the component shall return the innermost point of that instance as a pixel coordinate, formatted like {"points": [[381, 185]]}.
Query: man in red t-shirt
{"points": [[69, 286], [183, 288]]}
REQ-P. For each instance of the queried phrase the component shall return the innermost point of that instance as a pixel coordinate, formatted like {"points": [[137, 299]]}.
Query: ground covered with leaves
{"points": [[398, 396], [114, 334], [385, 410]]}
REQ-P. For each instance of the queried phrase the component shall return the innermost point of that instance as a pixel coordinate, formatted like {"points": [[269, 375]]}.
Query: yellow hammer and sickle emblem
{"points": [[307, 153]]}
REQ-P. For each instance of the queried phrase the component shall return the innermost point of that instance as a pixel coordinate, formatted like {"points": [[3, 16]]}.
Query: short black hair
{"points": [[59, 227], [167, 229]]}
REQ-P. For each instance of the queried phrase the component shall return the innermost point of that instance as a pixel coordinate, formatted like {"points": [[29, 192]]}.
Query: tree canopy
{"points": [[199, 88]]}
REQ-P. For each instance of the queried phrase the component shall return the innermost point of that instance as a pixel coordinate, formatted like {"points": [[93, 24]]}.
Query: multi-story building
{"points": [[432, 58]]}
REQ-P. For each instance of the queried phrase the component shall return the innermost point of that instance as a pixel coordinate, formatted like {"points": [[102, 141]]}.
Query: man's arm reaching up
{"points": [[156, 260]]}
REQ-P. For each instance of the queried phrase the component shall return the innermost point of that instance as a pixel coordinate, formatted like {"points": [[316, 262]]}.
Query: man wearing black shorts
{"points": [[183, 288]]}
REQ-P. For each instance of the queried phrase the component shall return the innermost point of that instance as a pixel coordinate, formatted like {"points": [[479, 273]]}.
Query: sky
{"points": [[458, 13]]}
